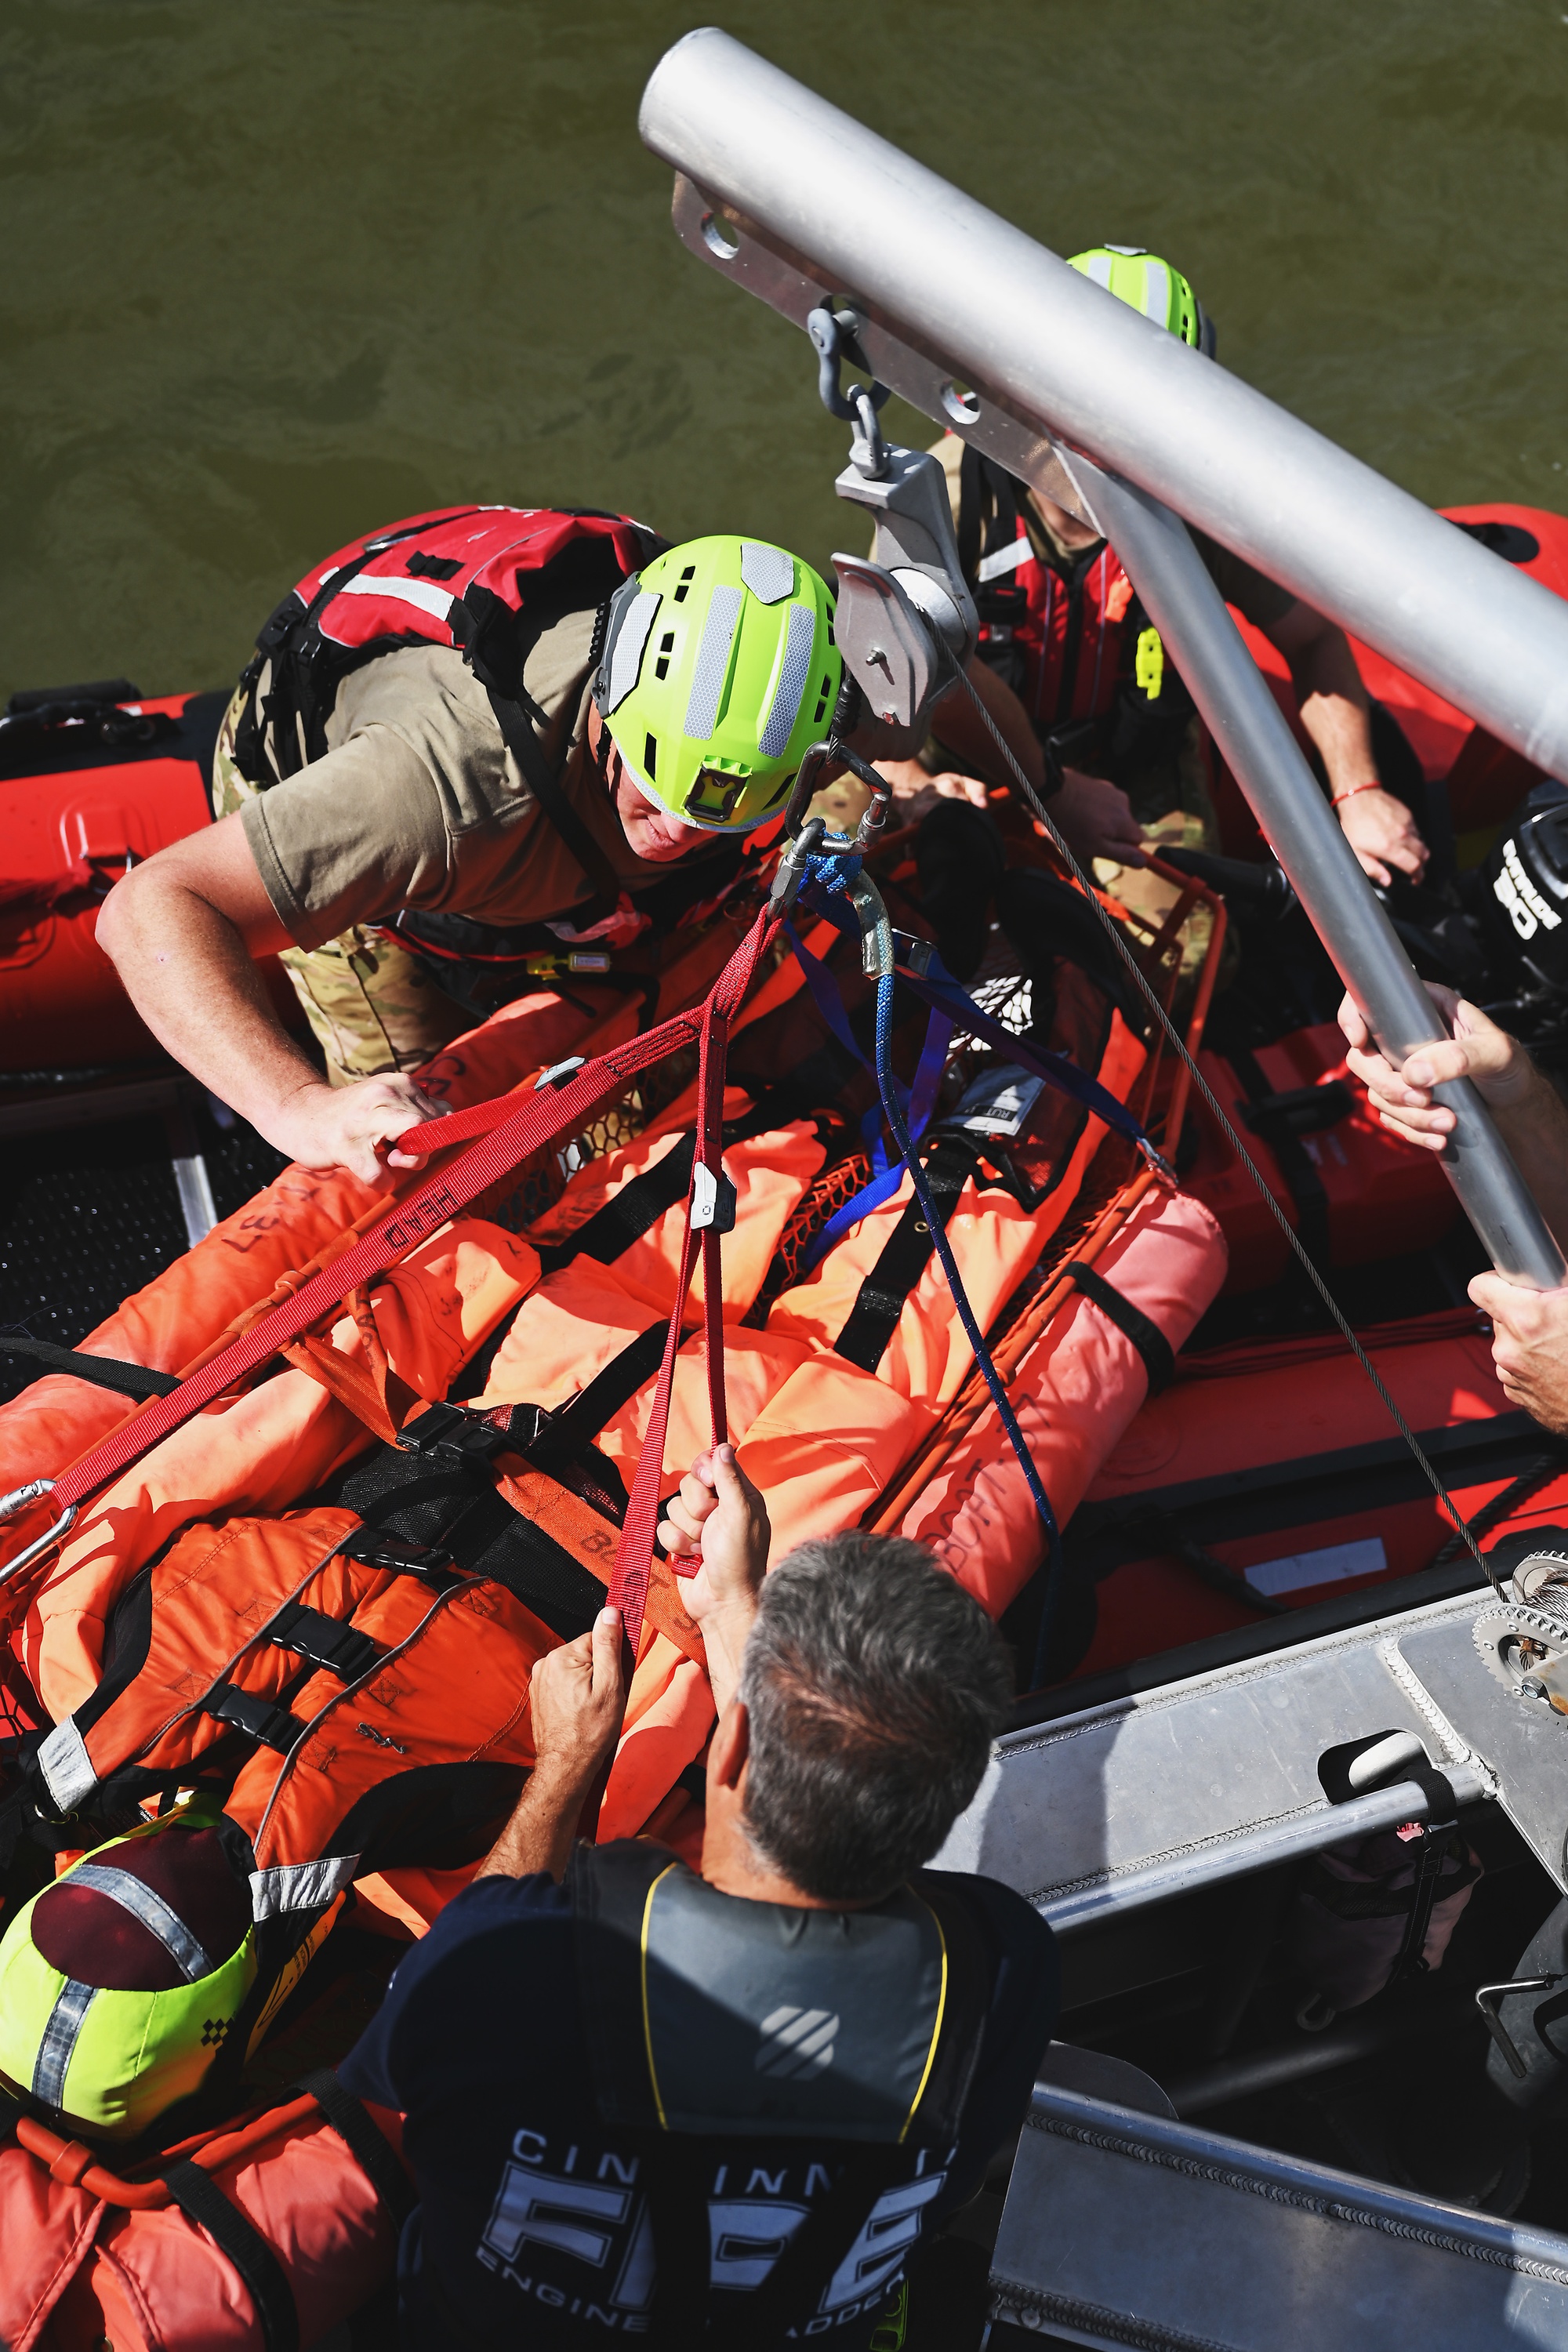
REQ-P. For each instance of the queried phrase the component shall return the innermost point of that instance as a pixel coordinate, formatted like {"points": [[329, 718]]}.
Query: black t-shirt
{"points": [[531, 2227]]}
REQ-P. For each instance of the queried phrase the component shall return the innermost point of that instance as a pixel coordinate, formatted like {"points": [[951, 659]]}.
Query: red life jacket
{"points": [[1058, 638], [487, 580]]}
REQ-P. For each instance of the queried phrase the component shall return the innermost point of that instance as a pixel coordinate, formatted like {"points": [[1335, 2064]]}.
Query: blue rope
{"points": [[973, 1332]]}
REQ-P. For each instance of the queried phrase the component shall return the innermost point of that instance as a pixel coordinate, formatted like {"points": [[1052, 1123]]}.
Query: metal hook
{"points": [[17, 1500], [833, 335], [1487, 1999]]}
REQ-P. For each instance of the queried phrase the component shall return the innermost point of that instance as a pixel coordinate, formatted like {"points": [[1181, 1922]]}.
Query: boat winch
{"points": [[1525, 1641]]}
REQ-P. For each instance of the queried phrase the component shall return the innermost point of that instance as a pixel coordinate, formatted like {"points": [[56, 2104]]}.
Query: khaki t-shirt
{"points": [[418, 802], [1260, 599]]}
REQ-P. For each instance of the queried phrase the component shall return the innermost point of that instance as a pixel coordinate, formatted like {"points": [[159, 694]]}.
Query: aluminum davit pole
{"points": [[1023, 330], [1248, 726], [813, 201]]}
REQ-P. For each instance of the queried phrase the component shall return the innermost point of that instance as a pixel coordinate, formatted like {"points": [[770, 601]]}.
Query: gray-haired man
{"points": [[725, 2108]]}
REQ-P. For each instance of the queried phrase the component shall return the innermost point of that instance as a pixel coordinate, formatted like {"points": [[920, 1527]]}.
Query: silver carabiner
{"points": [[17, 1500]]}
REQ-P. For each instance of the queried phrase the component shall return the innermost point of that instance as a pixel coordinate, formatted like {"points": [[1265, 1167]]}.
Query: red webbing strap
{"points": [[633, 1554], [535, 1120]]}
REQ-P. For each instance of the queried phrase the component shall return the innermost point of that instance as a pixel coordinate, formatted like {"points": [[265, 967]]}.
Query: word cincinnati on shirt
{"points": [[571, 2228]]}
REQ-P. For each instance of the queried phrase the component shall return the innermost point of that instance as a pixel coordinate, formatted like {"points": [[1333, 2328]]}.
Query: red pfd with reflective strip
{"points": [[1071, 630], [84, 2270], [487, 580]]}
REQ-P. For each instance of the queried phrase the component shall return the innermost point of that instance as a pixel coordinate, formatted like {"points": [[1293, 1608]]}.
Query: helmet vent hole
{"points": [[651, 752], [686, 579]]}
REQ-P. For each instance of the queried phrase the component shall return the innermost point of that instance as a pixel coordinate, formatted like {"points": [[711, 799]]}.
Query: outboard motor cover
{"points": [[1525, 899]]}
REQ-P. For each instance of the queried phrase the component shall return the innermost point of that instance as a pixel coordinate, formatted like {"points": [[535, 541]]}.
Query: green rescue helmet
{"points": [[123, 1978], [1146, 283], [719, 671]]}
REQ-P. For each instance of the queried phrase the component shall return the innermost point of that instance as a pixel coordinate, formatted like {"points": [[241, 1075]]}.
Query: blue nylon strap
{"points": [[919, 1103], [943, 995], [965, 1312]]}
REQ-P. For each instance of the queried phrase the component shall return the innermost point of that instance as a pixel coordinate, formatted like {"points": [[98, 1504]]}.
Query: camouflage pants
{"points": [[371, 1005]]}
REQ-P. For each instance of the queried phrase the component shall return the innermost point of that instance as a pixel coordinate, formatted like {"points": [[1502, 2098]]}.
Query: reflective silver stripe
{"points": [[59, 2039], [437, 602], [626, 653], [767, 571], [1157, 293], [1005, 558], [1099, 270], [793, 674], [299, 1886], [712, 663], [66, 1767], [134, 1895]]}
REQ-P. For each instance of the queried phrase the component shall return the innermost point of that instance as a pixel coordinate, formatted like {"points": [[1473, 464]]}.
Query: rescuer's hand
{"points": [[340, 1126], [1498, 1065], [577, 1697], [1382, 833], [1529, 1345], [912, 782], [720, 1519], [1094, 819]]}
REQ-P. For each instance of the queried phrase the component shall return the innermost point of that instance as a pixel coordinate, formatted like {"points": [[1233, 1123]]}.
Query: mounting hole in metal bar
{"points": [[960, 402], [720, 237]]}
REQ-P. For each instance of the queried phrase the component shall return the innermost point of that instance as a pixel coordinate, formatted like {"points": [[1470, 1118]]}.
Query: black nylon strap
{"points": [[629, 1213], [431, 1502], [365, 2140], [906, 1252], [545, 786], [103, 1371], [638, 1207], [566, 1433], [1436, 1832], [197, 2194], [1131, 1321]]}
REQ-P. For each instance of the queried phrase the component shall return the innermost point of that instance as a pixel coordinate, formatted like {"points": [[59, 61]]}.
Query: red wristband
{"points": [[1338, 798]]}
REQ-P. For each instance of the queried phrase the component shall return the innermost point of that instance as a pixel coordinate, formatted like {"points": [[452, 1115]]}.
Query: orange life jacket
{"points": [[297, 2230], [1075, 1394], [879, 1298]]}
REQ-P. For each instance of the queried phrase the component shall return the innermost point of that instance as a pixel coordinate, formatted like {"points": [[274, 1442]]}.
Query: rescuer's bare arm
{"points": [[577, 1699], [1094, 816], [1335, 712], [180, 930]]}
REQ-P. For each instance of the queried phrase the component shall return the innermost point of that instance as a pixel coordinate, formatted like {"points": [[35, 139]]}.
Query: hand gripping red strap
{"points": [[513, 1132], [634, 1555]]}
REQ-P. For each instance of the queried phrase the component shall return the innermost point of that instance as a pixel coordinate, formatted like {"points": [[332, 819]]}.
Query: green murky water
{"points": [[275, 273]]}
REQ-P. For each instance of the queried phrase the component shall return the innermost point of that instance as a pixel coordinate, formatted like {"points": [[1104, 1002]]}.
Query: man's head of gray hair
{"points": [[873, 1685]]}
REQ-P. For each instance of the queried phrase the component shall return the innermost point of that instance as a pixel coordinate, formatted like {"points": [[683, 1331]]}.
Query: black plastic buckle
{"points": [[327, 1642], [260, 1719], [446, 1433], [373, 1549]]}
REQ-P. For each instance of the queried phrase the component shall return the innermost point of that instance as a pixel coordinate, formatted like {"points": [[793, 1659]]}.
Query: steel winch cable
{"points": [[1113, 930]]}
